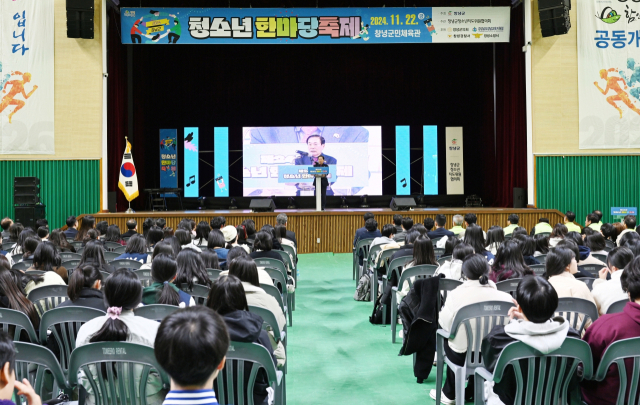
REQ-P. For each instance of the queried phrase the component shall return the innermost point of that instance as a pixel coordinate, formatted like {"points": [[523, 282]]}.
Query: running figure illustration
{"points": [[17, 87], [621, 95]]}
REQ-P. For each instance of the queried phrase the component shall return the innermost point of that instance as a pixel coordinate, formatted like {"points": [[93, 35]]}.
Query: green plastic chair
{"points": [[120, 250], [7, 246], [618, 352], [126, 263], [292, 252], [23, 265], [385, 256], [509, 286], [275, 293], [35, 272], [272, 264], [445, 285], [230, 386], [592, 268], [287, 262], [155, 312], [438, 252], [213, 274], [617, 306], [144, 275], [294, 270], [47, 297], [444, 259], [16, 322], [570, 308], [588, 281], [280, 283], [542, 258], [609, 243], [547, 234], [115, 383], [361, 245], [32, 361], [371, 256], [485, 315], [17, 257], [394, 265], [549, 387], [421, 271], [76, 244], [110, 246], [110, 256], [105, 274], [64, 256], [64, 324], [601, 257], [200, 293], [538, 269]]}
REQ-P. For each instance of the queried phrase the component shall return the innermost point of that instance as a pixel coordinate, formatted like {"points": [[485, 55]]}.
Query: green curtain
{"points": [[67, 187], [585, 183]]}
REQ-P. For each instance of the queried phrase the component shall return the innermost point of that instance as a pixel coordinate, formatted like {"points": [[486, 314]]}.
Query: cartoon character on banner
{"points": [[188, 143], [364, 32], [168, 143], [155, 27], [220, 183], [428, 22], [173, 169]]}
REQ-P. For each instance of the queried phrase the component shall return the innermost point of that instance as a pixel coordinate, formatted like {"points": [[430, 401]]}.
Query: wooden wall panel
{"points": [[335, 229]]}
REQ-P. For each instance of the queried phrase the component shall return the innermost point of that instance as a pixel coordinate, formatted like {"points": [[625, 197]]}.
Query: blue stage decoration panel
{"points": [[221, 161], [403, 160], [430, 158], [191, 160]]}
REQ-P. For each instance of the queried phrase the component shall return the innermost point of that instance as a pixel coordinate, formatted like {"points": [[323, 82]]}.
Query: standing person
{"points": [[72, 228], [324, 183]]}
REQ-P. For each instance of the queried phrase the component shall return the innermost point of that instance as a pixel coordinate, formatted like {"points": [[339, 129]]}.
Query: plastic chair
{"points": [[444, 259], [421, 271], [484, 315], [292, 252], [126, 263], [23, 265], [64, 324], [618, 352], [7, 246], [115, 381], [609, 243], [200, 293], [509, 286], [570, 308], [111, 246], [538, 269], [144, 275], [385, 256], [280, 283], [393, 267], [64, 256], [550, 387], [76, 244], [47, 297], [269, 319], [601, 257], [361, 245], [104, 275], [287, 261], [32, 361], [213, 274], [542, 258], [18, 321], [120, 250], [592, 268], [588, 281], [35, 272], [230, 384], [17, 257], [438, 252], [155, 312], [617, 306], [79, 251], [272, 264], [110, 256], [372, 254], [445, 285], [70, 264], [275, 293]]}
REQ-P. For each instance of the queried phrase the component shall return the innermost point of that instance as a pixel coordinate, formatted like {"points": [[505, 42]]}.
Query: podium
{"points": [[317, 172]]}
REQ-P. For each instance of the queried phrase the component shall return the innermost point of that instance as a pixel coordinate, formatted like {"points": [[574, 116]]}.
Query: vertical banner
{"points": [[403, 160], [609, 74], [168, 158], [430, 159], [455, 169], [221, 161], [26, 77], [191, 162]]}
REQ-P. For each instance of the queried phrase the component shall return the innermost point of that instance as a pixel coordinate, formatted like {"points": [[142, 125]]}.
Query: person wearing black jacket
{"points": [[84, 289], [132, 228], [324, 183], [264, 243], [407, 249]]}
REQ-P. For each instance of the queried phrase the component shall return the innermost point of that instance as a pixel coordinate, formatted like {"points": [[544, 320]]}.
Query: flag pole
{"points": [[129, 210]]}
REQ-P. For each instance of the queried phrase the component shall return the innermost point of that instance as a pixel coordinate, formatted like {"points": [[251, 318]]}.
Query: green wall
{"points": [[585, 183], [67, 187]]}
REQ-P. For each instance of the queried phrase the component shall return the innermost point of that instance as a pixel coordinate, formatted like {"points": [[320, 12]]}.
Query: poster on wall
{"points": [[26, 77], [169, 158], [609, 73], [314, 25], [455, 160]]}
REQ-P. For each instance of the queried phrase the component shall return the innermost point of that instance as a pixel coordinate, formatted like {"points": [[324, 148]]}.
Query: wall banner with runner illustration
{"points": [[26, 77], [314, 25], [609, 73], [168, 159]]}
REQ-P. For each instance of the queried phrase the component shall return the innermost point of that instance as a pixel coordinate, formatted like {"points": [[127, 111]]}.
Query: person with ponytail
{"points": [[122, 293], [159, 249], [163, 272], [477, 288], [84, 289]]}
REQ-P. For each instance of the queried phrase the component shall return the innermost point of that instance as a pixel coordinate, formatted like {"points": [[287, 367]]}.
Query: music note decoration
{"points": [[192, 180], [404, 182]]}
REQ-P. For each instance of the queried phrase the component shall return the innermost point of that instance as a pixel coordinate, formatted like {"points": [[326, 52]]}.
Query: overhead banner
{"points": [[168, 158], [455, 167], [609, 73], [26, 77], [315, 25]]}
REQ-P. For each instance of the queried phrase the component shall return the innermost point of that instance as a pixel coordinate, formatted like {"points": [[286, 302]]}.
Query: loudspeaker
{"points": [[28, 216], [26, 199], [402, 203], [26, 181], [262, 205], [519, 197], [111, 201], [80, 19], [26, 191], [554, 17]]}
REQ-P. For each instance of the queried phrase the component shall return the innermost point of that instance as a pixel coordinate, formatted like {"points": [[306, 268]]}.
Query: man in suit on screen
{"points": [[301, 134], [315, 147]]}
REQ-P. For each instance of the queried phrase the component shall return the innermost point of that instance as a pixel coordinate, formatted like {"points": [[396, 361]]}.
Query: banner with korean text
{"points": [[169, 158], [314, 25], [609, 73], [455, 160], [26, 77]]}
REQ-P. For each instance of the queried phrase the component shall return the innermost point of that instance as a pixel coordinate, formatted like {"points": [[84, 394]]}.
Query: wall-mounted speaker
{"points": [[554, 17], [80, 19]]}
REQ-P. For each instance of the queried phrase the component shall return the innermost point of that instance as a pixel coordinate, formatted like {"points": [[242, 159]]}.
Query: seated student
{"points": [[132, 228], [572, 246], [477, 288], [557, 234], [217, 243], [159, 248], [12, 298], [471, 219], [228, 300], [4, 252], [361, 231], [271, 231], [113, 235], [397, 222], [8, 380], [440, 230], [29, 245], [586, 257], [230, 235], [263, 246], [47, 258], [628, 225], [407, 224], [168, 231], [136, 250], [245, 269], [587, 231], [84, 289], [453, 268], [123, 293], [407, 248], [202, 233], [634, 247], [146, 225], [541, 227], [263, 276], [191, 269], [422, 254], [495, 238], [592, 222], [509, 263], [102, 227], [628, 237], [184, 239], [154, 235], [533, 323], [6, 224], [162, 290], [242, 238], [88, 223], [43, 232], [388, 232], [457, 225], [250, 228], [92, 235], [218, 222], [428, 224], [606, 292], [72, 228], [474, 237], [58, 238], [528, 247], [596, 243], [449, 245], [512, 223], [371, 232], [93, 254], [210, 259], [609, 232], [569, 217], [519, 231], [191, 345], [281, 233], [609, 329]]}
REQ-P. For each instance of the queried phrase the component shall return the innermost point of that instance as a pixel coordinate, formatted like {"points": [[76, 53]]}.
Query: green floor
{"points": [[335, 355]]}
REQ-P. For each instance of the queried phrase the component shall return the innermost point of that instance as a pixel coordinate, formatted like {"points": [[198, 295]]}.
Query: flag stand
{"points": [[129, 211]]}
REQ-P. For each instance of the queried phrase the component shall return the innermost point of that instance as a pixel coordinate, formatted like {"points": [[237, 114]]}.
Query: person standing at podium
{"points": [[323, 182]]}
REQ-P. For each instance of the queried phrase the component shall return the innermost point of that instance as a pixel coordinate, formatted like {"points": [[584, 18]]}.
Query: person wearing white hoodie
{"points": [[533, 324], [606, 292]]}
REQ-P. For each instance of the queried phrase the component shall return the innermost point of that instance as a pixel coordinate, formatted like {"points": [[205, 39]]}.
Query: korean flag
{"points": [[128, 182]]}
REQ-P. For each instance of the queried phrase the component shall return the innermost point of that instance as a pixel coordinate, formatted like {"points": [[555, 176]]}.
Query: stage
{"points": [[333, 229]]}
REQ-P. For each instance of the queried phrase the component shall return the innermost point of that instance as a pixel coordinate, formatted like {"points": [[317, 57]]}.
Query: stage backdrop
{"points": [[609, 74], [26, 77], [314, 25]]}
